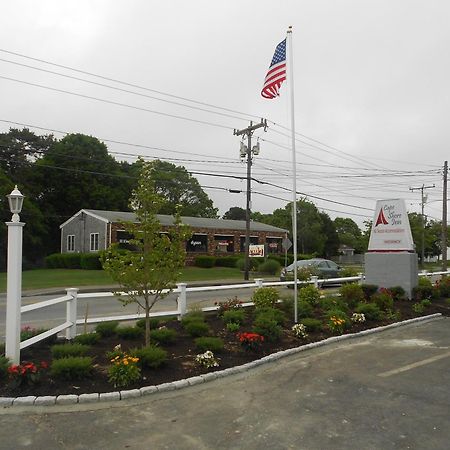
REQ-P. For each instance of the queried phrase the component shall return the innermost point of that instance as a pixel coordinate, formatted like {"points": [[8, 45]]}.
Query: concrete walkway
{"points": [[388, 390]]}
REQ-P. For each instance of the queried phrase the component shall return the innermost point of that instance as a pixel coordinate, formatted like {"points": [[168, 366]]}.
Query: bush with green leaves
{"points": [[87, 338], [443, 287], [150, 356], [163, 335], [312, 324], [68, 350], [192, 316], [72, 368], [383, 299], [107, 329], [271, 313], [154, 322], [124, 371], [422, 292], [130, 333], [330, 302], [371, 311], [309, 294], [398, 293], [214, 344], [4, 364], [197, 328], [63, 261], [226, 261], [270, 267], [348, 272], [265, 297], [205, 261], [253, 264], [304, 309], [90, 261], [234, 315], [267, 327], [352, 294], [418, 308], [369, 290], [232, 327], [287, 304]]}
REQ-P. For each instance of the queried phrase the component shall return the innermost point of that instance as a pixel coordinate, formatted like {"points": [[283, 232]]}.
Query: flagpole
{"points": [[294, 168]]}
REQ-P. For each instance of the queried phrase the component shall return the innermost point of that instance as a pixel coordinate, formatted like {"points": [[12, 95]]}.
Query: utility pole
{"points": [[444, 219], [423, 201], [248, 151]]}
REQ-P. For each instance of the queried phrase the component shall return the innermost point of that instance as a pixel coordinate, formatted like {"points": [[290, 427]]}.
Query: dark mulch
{"points": [[180, 363]]}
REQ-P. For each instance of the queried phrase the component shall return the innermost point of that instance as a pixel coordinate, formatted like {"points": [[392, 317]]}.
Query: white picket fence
{"points": [[72, 296]]}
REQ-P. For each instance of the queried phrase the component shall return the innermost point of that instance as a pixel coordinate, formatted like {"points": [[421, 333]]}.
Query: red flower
{"points": [[44, 364]]}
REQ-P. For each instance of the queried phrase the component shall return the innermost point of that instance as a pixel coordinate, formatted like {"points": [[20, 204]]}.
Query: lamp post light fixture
{"points": [[14, 277]]}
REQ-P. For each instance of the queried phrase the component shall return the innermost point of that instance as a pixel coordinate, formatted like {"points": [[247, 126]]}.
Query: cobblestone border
{"points": [[181, 384]]}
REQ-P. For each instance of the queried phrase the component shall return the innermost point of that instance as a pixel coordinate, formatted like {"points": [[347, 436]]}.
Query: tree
{"points": [[154, 264], [349, 233], [332, 239], [179, 187], [235, 213]]}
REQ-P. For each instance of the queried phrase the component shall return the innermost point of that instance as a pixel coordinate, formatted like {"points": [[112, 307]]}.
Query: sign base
{"points": [[387, 270]]}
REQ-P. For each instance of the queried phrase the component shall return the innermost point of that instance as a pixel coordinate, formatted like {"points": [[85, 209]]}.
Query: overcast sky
{"points": [[371, 91]]}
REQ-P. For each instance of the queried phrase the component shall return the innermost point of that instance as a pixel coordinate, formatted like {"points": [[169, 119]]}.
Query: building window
{"points": [[224, 244], [71, 243], [274, 245], [253, 241], [94, 242], [198, 243]]}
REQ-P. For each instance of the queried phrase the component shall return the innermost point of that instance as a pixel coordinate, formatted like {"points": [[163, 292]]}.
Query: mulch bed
{"points": [[180, 363]]}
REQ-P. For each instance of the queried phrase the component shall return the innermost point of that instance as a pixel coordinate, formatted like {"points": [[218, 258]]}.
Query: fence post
{"points": [[259, 282], [424, 273], [361, 278], [315, 280], [71, 313], [181, 300]]}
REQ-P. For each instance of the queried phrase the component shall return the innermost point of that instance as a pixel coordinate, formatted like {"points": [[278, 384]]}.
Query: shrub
{"points": [[90, 261], [265, 297], [233, 327], [226, 261], [270, 267], [312, 324], [336, 324], [231, 303], [398, 293], [251, 341], [328, 303], [418, 308], [425, 282], [304, 309], [383, 300], [352, 294], [124, 371], [287, 304], [163, 335], [370, 310], [253, 264], [309, 294], [205, 261], [150, 356], [129, 332], [214, 344], [444, 287], [154, 322], [305, 273], [234, 315], [369, 290], [267, 327], [106, 329], [63, 261], [197, 328], [60, 351], [4, 364], [271, 313], [348, 272], [193, 316], [422, 292], [72, 368], [87, 338]]}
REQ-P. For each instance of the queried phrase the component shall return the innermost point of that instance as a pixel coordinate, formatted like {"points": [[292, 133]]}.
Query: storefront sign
{"points": [[256, 251], [390, 228]]}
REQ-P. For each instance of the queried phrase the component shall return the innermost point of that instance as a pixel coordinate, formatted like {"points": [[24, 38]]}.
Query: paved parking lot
{"points": [[389, 390]]}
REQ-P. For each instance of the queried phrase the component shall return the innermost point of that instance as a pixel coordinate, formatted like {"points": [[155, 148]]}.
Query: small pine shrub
{"points": [[271, 313], [304, 309], [150, 356], [4, 364], [234, 315], [369, 290], [352, 294], [87, 338], [154, 322], [370, 310], [196, 328], [309, 294], [267, 327], [205, 261], [312, 324], [72, 368], [265, 297], [163, 336], [60, 351], [214, 344], [130, 332], [107, 329], [270, 267]]}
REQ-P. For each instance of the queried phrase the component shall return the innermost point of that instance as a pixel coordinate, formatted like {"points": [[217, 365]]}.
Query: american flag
{"points": [[277, 72]]}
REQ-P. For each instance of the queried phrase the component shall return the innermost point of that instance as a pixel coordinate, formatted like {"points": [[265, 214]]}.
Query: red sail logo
{"points": [[381, 219]]}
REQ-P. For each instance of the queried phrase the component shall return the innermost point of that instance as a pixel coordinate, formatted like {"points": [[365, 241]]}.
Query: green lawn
{"points": [[46, 278]]}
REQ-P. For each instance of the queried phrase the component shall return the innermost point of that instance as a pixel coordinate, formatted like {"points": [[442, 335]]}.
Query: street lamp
{"points": [[14, 277]]}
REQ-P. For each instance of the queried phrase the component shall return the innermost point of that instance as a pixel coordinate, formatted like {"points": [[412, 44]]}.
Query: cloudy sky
{"points": [[173, 79]]}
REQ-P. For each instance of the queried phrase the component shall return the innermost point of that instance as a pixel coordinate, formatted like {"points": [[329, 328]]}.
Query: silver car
{"points": [[323, 268]]}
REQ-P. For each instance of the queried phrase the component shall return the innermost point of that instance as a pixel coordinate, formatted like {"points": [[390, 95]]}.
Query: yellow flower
{"points": [[125, 362]]}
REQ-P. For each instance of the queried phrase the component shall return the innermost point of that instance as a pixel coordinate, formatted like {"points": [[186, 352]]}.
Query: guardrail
{"points": [[72, 296]]}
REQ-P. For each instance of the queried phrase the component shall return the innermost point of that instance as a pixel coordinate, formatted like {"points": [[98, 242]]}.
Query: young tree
{"points": [[148, 272]]}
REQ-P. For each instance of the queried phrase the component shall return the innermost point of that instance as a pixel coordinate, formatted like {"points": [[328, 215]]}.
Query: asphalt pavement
{"points": [[389, 390]]}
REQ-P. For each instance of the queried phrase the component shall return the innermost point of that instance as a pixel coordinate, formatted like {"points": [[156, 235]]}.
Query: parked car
{"points": [[323, 268]]}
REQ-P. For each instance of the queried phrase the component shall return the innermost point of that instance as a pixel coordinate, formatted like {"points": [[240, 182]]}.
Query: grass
{"points": [[50, 278]]}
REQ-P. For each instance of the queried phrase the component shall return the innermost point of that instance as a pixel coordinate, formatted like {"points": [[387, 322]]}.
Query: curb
{"points": [[73, 399]]}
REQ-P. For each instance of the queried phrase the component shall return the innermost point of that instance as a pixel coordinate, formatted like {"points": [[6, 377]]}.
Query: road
{"points": [[110, 306]]}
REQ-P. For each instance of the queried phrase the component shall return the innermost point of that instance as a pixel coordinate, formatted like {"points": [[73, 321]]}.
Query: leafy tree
{"points": [[179, 187], [433, 234], [349, 233], [155, 263], [331, 236], [235, 213]]}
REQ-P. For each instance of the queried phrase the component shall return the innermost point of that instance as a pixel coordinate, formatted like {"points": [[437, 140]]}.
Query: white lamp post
{"points": [[14, 277]]}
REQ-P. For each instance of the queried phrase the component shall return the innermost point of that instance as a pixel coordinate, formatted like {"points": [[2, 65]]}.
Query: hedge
{"points": [[87, 261], [205, 261], [226, 261]]}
